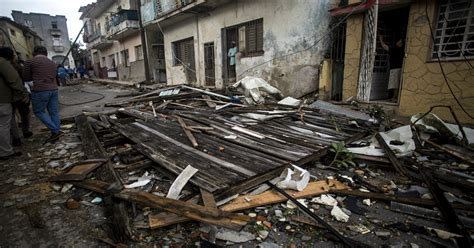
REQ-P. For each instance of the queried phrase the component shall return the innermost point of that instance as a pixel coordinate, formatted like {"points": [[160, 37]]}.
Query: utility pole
{"points": [[144, 47], [74, 42]]}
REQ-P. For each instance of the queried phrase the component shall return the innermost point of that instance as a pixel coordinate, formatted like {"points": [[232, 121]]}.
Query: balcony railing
{"points": [[58, 49], [121, 16], [55, 31], [163, 7], [92, 36]]}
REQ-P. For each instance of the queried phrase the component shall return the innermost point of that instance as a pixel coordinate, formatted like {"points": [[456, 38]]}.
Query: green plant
{"points": [[376, 111], [342, 156]]}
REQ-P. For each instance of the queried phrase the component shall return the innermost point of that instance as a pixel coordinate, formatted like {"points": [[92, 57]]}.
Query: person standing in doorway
{"points": [[44, 95], [396, 53], [11, 90], [231, 55]]}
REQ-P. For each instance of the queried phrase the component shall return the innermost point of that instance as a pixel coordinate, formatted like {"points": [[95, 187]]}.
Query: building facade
{"points": [[276, 40], [429, 30], [113, 39], [19, 37], [53, 31]]}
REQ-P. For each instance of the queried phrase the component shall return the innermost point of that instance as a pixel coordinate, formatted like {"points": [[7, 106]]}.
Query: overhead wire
{"points": [[441, 66]]}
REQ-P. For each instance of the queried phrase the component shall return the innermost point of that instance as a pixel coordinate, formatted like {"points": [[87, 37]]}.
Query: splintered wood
{"points": [[226, 149], [251, 201]]}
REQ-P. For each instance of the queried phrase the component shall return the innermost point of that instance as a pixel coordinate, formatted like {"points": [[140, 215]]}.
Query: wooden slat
{"points": [[251, 201]]}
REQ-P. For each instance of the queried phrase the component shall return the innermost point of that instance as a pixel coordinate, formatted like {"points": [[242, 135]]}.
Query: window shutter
{"points": [[242, 39]]}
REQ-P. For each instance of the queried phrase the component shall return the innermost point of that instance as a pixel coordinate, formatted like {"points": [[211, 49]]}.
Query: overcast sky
{"points": [[68, 8]]}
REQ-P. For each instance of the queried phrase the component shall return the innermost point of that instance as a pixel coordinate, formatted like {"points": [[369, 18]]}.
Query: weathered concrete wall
{"points": [[176, 74], [352, 55], [125, 73], [287, 27], [423, 84], [23, 48]]}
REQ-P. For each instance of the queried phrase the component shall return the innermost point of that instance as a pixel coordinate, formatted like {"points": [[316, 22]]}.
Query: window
{"points": [[12, 32], [254, 38], [182, 50], [54, 24], [454, 35], [138, 53], [125, 58], [57, 42]]}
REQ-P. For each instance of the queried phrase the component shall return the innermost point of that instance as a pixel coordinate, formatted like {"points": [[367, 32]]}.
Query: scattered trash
{"points": [[96, 200], [338, 214], [235, 237]]}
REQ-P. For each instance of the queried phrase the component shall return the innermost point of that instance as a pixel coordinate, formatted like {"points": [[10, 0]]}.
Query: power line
{"points": [[441, 66]]}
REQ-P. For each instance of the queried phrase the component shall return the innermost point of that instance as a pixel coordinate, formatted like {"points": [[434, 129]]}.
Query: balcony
{"points": [[58, 49], [100, 42], [169, 11], [122, 24], [55, 31]]}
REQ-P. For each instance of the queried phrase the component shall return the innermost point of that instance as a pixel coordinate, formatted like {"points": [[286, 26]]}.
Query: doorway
{"points": [[390, 53], [338, 49], [230, 34]]}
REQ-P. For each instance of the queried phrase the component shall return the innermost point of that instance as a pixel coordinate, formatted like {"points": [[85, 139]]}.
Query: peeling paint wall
{"points": [[176, 74], [352, 55], [287, 27], [423, 84]]}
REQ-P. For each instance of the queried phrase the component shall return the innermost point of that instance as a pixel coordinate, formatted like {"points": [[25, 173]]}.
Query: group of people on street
{"points": [[35, 80], [67, 73]]}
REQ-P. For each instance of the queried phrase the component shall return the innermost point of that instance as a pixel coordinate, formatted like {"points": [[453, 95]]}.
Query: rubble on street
{"points": [[180, 166]]}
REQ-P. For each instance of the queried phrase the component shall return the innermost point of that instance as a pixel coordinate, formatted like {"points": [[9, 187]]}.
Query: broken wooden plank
{"points": [[448, 213], [208, 199], [78, 171], [251, 201], [193, 211], [180, 182], [457, 153], [186, 131], [272, 197], [93, 149], [391, 155], [209, 103]]}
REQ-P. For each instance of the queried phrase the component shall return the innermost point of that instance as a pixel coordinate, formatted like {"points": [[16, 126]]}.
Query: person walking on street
{"points": [[44, 94], [62, 75], [11, 89], [22, 107]]}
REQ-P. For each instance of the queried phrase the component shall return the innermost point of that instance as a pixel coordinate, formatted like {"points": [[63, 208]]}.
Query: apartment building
{"points": [[112, 36], [52, 30], [19, 37]]}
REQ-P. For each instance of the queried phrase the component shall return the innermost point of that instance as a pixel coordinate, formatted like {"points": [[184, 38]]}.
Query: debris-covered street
{"points": [[194, 167], [225, 123]]}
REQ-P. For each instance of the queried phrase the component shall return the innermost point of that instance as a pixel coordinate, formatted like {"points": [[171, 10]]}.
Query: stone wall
{"points": [[423, 84], [352, 55]]}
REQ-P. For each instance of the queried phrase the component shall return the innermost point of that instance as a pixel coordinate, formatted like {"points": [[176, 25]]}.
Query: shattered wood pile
{"points": [[213, 148]]}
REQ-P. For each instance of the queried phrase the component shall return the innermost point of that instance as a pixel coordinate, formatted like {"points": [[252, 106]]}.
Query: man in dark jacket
{"points": [[11, 89], [44, 94]]}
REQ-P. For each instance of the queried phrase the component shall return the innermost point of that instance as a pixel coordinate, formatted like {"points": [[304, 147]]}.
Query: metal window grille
{"points": [[454, 34], [254, 37], [182, 51], [209, 64], [138, 52]]}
